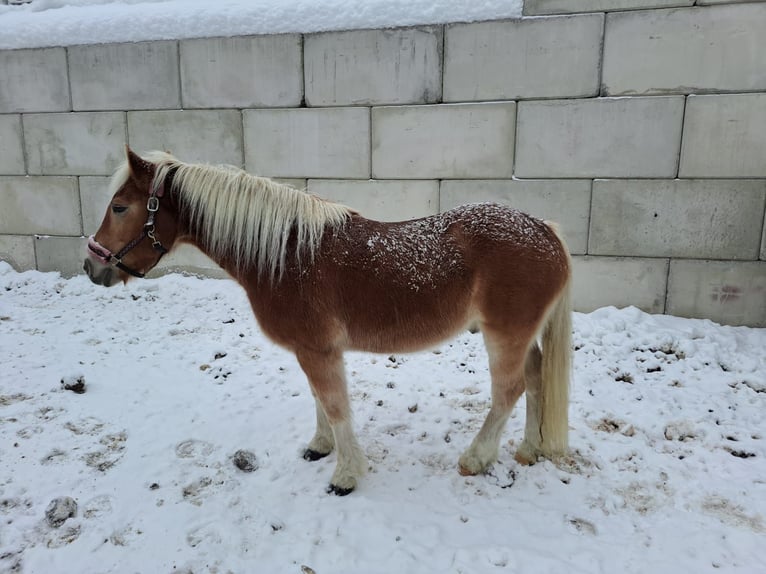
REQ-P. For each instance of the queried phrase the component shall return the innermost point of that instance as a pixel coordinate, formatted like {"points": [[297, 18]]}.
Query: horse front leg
{"points": [[326, 376], [323, 442]]}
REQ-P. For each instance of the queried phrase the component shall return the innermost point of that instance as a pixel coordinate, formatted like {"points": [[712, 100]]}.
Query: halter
{"points": [[107, 257]]}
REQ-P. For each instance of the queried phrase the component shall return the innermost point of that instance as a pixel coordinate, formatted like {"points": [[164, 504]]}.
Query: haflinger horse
{"points": [[322, 279]]}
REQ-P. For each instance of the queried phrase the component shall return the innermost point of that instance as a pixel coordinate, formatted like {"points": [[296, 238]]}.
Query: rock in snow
{"points": [[245, 460], [60, 510]]}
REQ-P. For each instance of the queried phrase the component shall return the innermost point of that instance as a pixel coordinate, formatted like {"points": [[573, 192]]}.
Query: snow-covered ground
{"points": [[70, 22], [668, 473]]}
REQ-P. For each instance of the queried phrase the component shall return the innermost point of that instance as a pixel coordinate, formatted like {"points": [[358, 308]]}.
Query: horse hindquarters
{"points": [[525, 299]]}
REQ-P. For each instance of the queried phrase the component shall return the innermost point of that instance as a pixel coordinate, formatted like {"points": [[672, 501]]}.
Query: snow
{"points": [[70, 22], [667, 472]]}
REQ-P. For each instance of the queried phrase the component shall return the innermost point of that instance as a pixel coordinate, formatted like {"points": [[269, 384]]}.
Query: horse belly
{"points": [[399, 320]]}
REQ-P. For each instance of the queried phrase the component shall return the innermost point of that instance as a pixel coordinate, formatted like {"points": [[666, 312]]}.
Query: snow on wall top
{"points": [[44, 23]]}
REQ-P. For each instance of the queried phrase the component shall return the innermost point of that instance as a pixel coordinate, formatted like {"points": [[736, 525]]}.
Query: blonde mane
{"points": [[245, 218]]}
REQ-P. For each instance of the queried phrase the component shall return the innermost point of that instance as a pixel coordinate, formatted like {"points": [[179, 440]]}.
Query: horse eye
{"points": [[119, 208]]}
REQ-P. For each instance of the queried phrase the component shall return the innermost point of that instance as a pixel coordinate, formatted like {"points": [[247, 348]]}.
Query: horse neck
{"points": [[251, 225], [192, 230], [187, 233]]}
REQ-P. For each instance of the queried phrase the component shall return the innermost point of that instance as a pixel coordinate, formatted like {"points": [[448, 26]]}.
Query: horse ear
{"points": [[139, 167]]}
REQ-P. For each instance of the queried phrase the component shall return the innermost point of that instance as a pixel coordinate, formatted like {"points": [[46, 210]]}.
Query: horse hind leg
{"points": [[326, 376], [506, 360], [547, 376], [531, 446]]}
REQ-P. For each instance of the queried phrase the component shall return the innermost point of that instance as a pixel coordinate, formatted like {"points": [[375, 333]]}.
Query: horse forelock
{"points": [[246, 219], [119, 178]]}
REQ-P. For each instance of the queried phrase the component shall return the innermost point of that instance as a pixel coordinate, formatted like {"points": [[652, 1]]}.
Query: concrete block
{"points": [[685, 51], [294, 182], [373, 67], [74, 144], [728, 292], [619, 281], [62, 254], [541, 7], [529, 58], [242, 72], [94, 199], [333, 142], [715, 219], [724, 136], [188, 259], [444, 141], [133, 76], [395, 200], [201, 136], [19, 251], [567, 202], [34, 81], [46, 205], [763, 240], [626, 137], [713, 2], [11, 146]]}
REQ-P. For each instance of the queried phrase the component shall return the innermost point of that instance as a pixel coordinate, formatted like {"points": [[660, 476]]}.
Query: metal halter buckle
{"points": [[155, 242], [153, 205]]}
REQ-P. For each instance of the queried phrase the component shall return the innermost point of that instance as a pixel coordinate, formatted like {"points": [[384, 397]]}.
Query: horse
{"points": [[322, 279]]}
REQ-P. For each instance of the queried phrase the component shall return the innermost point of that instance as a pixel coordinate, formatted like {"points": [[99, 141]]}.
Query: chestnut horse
{"points": [[322, 279]]}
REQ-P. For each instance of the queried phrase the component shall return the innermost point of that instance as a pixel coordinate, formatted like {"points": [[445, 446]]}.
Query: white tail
{"points": [[556, 366]]}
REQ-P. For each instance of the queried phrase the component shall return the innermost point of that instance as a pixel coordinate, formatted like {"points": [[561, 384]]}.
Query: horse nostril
{"points": [[103, 277]]}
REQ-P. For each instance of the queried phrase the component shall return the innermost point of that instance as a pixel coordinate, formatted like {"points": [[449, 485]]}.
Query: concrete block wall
{"points": [[638, 125]]}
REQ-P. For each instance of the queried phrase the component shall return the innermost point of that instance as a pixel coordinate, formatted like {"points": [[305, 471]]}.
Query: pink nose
{"points": [[98, 251]]}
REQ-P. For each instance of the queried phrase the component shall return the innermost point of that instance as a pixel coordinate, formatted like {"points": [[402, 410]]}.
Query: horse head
{"points": [[139, 226]]}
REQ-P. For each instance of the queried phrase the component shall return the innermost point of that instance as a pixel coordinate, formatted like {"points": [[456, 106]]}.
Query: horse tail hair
{"points": [[556, 367]]}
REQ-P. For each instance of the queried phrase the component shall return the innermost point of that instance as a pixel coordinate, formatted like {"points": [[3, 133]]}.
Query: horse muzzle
{"points": [[100, 274], [98, 251], [98, 266]]}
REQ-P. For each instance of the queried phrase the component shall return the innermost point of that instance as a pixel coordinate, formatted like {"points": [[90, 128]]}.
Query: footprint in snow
{"points": [[28, 432], [106, 458], [206, 534], [55, 456], [63, 536], [124, 536], [6, 400], [194, 449], [88, 425], [97, 507], [732, 513], [197, 491], [582, 526]]}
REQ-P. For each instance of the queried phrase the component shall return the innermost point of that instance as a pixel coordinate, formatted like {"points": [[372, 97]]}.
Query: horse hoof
{"points": [[524, 460], [464, 471], [338, 491], [313, 455], [526, 455]]}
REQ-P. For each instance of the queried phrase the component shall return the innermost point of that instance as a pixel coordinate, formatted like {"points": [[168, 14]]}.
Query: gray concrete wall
{"points": [[639, 125]]}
